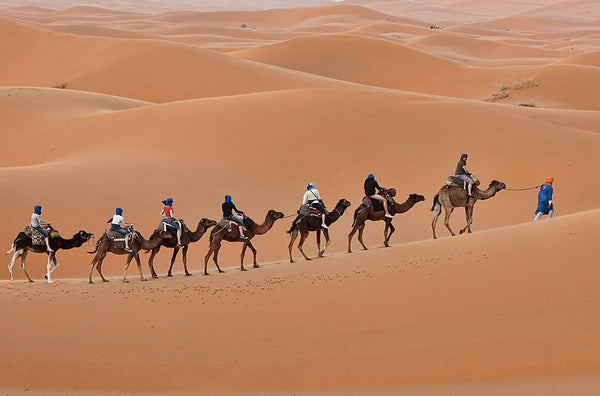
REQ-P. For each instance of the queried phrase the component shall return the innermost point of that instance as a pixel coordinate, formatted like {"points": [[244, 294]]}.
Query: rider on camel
{"points": [[37, 223], [167, 212], [313, 198], [117, 224], [370, 186], [228, 207], [463, 173]]}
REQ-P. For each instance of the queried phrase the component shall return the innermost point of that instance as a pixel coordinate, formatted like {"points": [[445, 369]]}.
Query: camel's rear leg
{"points": [[388, 226], [15, 256], [215, 258], [23, 257], [437, 209], [251, 246], [327, 241], [447, 219], [293, 236], [129, 258], [139, 264], [242, 255], [184, 256], [469, 216], [51, 266]]}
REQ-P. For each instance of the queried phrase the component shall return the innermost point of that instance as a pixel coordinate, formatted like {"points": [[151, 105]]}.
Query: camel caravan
{"points": [[377, 204]]}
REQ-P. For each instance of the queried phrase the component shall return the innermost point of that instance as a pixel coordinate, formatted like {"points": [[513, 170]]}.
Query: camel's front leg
{"points": [[51, 266], [173, 257], [327, 242], [215, 256], [139, 264], [293, 236], [388, 226], [151, 261], [469, 216], [129, 258], [251, 246], [319, 242], [184, 256], [242, 255]]}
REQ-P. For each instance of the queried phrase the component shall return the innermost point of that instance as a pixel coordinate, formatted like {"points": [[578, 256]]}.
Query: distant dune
{"points": [[109, 104]]}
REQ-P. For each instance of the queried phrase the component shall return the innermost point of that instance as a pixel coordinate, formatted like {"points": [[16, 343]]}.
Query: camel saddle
{"points": [[224, 223], [37, 238], [377, 206], [457, 181], [118, 238], [167, 224], [308, 210]]}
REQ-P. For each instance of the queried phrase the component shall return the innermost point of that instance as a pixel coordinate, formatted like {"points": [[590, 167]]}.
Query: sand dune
{"points": [[164, 99]]}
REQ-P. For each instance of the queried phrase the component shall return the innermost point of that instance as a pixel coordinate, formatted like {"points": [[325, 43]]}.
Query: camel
{"points": [[218, 234], [362, 214], [305, 224], [187, 237], [136, 243], [22, 244], [454, 196]]}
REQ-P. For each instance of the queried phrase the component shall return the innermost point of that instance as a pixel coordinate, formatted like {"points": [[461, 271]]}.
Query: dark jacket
{"points": [[228, 208], [370, 186]]}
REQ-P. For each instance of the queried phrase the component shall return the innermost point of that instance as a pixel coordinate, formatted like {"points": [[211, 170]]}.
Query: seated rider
{"points": [[228, 208], [370, 186], [313, 198], [116, 223], [463, 173], [167, 212], [37, 223]]}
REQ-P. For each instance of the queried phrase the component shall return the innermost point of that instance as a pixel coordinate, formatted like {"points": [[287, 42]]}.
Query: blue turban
{"points": [[169, 202], [119, 211], [37, 209], [227, 198], [310, 185], [370, 176]]}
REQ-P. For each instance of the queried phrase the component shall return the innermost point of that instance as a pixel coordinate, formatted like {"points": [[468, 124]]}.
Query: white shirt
{"points": [[117, 219], [311, 195], [35, 220]]}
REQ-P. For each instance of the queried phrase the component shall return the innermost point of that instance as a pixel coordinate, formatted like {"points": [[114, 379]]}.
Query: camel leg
{"points": [[49, 266], [251, 246], [319, 242], [129, 258], [23, 257], [99, 267], [303, 236], [175, 251], [151, 261], [184, 256], [361, 228], [437, 209], [206, 258], [350, 235], [388, 226], [217, 248], [92, 264], [327, 241], [15, 256], [469, 215], [293, 236], [139, 264], [447, 219], [242, 255]]}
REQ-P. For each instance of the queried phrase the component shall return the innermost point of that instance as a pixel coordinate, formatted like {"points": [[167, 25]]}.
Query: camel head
{"points": [[83, 235], [344, 203], [207, 222], [275, 215], [416, 197], [498, 185]]}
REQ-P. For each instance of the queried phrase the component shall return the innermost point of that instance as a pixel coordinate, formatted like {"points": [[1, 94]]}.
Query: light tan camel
{"points": [[136, 243], [306, 224], [187, 237], [454, 196], [363, 213], [219, 234]]}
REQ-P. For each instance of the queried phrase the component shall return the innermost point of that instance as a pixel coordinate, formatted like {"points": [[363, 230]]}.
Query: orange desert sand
{"points": [[198, 101]]}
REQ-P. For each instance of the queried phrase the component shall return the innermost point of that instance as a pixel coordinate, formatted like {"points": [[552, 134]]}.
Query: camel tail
{"points": [[355, 215], [12, 247], [435, 201]]}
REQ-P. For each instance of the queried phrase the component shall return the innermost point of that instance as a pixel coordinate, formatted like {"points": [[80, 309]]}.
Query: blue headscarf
{"points": [[310, 186], [119, 211], [227, 198], [37, 209], [169, 202], [371, 176]]}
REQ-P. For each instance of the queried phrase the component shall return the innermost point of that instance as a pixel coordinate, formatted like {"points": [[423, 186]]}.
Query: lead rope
{"points": [[523, 189]]}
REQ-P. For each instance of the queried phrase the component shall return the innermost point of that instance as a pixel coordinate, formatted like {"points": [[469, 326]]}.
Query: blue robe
{"points": [[544, 197]]}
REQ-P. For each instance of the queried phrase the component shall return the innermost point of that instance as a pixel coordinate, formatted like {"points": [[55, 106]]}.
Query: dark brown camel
{"points": [[218, 234], [136, 243], [187, 237], [22, 244], [305, 224], [453, 196], [362, 214]]}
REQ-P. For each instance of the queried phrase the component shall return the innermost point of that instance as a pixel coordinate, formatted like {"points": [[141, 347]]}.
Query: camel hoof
{"points": [[221, 271], [168, 276], [91, 282], [308, 258], [104, 280], [206, 274], [243, 269], [30, 281], [143, 279], [188, 274], [256, 266], [51, 281], [292, 261], [155, 276], [461, 232]]}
